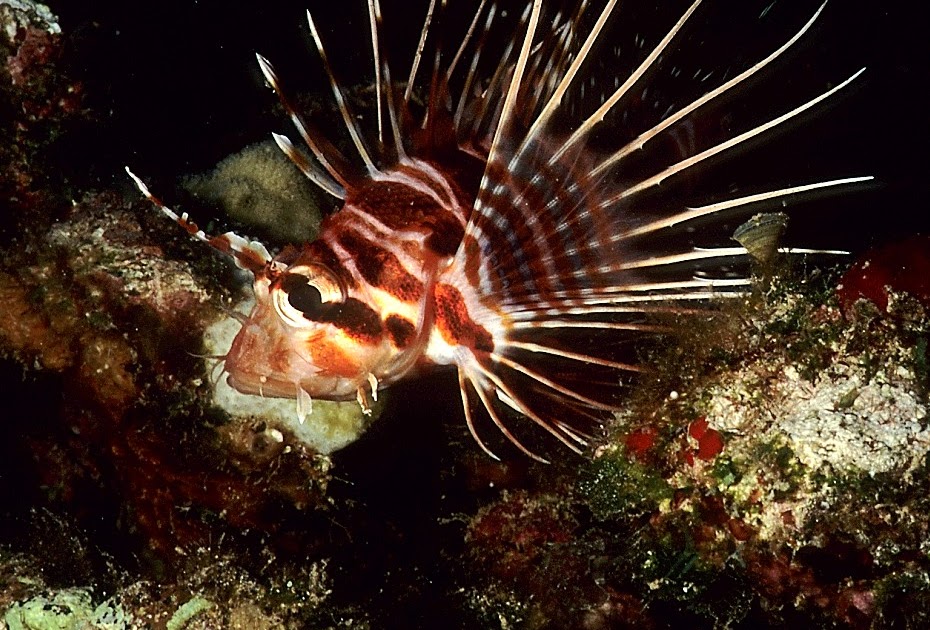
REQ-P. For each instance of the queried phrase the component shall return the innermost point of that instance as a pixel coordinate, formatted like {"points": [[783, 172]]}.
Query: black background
{"points": [[178, 89]]}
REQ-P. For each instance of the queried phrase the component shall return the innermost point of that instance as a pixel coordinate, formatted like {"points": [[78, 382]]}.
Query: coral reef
{"points": [[69, 609], [105, 308], [210, 590], [783, 482], [39, 98], [774, 469], [98, 303]]}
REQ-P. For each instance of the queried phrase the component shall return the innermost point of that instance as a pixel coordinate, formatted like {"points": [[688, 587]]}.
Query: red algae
{"points": [[783, 460], [900, 267], [640, 442], [709, 442]]}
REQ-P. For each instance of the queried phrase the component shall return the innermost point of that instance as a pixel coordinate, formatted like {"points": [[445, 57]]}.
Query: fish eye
{"points": [[306, 298], [303, 291]]}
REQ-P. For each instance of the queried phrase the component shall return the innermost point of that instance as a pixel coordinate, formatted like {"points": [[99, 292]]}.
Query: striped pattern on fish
{"points": [[488, 235]]}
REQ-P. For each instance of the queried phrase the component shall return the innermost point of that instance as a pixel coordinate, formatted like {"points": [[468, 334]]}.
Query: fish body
{"points": [[485, 232]]}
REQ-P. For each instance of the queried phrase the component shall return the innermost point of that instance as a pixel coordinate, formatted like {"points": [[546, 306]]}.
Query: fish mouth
{"points": [[257, 385], [332, 388]]}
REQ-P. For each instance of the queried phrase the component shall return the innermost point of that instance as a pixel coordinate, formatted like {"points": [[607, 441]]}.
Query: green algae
{"points": [[902, 600], [69, 609], [726, 472], [188, 611], [616, 485]]}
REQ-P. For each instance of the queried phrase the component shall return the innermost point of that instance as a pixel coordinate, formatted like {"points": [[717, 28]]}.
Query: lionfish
{"points": [[488, 225]]}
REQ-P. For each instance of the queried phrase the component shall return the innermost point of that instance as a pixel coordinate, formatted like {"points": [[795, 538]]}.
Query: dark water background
{"points": [[182, 88]]}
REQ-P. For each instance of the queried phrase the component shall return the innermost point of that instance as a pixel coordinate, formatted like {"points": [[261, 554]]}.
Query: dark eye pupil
{"points": [[305, 298]]}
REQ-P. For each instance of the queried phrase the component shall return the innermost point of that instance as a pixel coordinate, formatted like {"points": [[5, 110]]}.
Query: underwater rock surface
{"points": [[98, 309]]}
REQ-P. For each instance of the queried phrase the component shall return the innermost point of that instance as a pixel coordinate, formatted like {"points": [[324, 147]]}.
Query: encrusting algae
{"points": [[766, 487]]}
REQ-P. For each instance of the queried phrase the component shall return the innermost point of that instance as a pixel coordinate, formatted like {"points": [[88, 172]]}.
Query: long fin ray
{"points": [[464, 97], [585, 128], [341, 102], [482, 391], [683, 165], [464, 381], [249, 255], [646, 136], [521, 407], [326, 154], [710, 209], [551, 384], [421, 45]]}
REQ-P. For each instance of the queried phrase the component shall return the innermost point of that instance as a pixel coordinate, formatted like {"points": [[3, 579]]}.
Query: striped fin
{"points": [[557, 259], [399, 140], [336, 174], [348, 116], [383, 86], [249, 255]]}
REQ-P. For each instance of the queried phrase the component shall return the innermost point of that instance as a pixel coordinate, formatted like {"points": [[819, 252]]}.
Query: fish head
{"points": [[308, 332]]}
